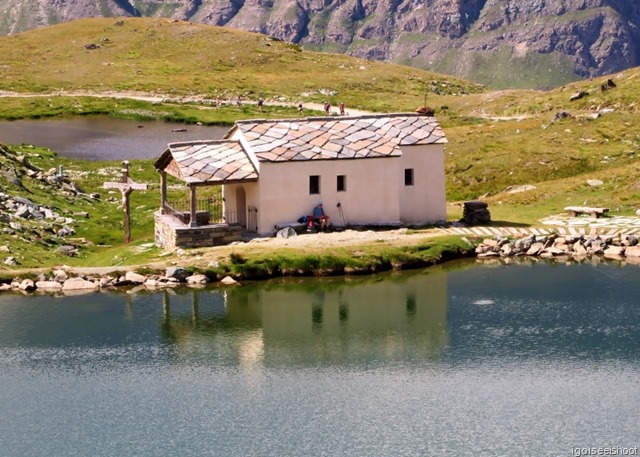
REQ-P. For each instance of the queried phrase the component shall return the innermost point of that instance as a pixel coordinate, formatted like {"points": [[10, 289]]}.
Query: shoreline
{"points": [[428, 250]]}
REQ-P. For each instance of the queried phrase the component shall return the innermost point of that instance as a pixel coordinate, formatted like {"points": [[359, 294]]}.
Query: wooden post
{"points": [[126, 186], [163, 191], [194, 207]]}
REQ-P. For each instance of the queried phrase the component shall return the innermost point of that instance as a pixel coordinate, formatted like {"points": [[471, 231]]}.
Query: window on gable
{"points": [[341, 185], [408, 177], [314, 184]]}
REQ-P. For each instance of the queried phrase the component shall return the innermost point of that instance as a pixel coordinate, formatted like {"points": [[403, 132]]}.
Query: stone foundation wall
{"points": [[171, 234]]}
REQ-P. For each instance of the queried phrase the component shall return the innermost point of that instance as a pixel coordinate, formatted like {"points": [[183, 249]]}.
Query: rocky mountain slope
{"points": [[501, 43]]}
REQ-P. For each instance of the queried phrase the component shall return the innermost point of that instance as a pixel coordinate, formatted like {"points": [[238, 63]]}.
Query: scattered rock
{"points": [[24, 212], [608, 84], [68, 250], [561, 115], [578, 95], [228, 280], [517, 190], [11, 261], [286, 232]]}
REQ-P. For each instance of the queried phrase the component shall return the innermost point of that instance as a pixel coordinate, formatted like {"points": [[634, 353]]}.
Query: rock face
{"points": [[482, 40]]}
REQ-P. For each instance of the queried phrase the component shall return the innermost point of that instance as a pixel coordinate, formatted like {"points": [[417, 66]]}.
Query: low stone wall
{"points": [[549, 246], [171, 233]]}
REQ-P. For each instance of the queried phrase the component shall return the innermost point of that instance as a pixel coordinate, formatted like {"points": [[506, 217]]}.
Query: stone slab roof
{"points": [[211, 162], [354, 137], [319, 138]]}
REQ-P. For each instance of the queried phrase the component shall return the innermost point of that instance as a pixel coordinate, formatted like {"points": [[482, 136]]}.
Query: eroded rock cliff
{"points": [[502, 43]]}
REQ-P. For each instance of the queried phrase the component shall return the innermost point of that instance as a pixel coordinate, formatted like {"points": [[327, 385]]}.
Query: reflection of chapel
{"points": [[379, 169]]}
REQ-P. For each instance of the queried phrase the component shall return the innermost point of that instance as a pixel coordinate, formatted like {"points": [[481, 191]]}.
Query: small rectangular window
{"points": [[342, 183], [408, 176], [314, 184]]}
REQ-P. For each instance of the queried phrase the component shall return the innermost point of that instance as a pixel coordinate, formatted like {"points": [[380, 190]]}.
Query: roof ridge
{"points": [[331, 118], [190, 143]]}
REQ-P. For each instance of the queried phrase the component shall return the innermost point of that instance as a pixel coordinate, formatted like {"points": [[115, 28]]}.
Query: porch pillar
{"points": [[194, 207], [163, 191]]}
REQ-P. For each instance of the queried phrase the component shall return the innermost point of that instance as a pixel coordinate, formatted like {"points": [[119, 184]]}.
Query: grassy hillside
{"points": [[498, 141], [502, 140], [180, 58]]}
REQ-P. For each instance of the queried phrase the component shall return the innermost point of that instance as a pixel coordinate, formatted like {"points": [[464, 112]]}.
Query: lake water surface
{"points": [[482, 361], [104, 138]]}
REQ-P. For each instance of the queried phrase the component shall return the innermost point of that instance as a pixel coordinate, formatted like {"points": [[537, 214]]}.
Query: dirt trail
{"points": [[159, 98]]}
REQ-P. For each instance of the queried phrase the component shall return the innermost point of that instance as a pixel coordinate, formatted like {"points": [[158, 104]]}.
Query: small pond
{"points": [[104, 138]]}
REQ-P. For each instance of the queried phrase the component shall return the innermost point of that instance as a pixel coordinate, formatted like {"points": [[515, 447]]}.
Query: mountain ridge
{"points": [[499, 43]]}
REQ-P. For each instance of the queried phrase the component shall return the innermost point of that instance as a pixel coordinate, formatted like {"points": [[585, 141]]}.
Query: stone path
{"points": [[617, 225]]}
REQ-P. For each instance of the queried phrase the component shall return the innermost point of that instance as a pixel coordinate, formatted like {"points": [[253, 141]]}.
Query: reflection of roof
{"points": [[207, 161], [326, 138], [338, 137]]}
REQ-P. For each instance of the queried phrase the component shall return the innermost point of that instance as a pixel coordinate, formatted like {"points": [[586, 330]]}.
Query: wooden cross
{"points": [[126, 186]]}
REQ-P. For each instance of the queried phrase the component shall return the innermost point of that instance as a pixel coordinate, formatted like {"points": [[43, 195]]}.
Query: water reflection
{"points": [[317, 322]]}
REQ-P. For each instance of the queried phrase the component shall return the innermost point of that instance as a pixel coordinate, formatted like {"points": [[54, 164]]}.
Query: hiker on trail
{"points": [[238, 101], [260, 103], [327, 108], [341, 108], [217, 102], [300, 108]]}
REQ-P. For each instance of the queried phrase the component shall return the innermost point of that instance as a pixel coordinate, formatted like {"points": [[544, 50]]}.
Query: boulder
{"points": [[198, 279], [23, 212], [178, 273], [615, 251], [632, 251], [79, 284], [27, 285], [60, 276], [134, 277], [535, 249], [286, 232], [11, 261], [49, 286]]}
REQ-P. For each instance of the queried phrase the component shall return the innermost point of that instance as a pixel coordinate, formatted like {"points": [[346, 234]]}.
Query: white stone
{"points": [[135, 277], [79, 284], [27, 285], [632, 251], [614, 251], [48, 285], [198, 279], [228, 280]]}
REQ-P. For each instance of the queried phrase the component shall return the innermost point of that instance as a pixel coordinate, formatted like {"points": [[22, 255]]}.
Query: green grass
{"points": [[364, 259], [180, 58]]}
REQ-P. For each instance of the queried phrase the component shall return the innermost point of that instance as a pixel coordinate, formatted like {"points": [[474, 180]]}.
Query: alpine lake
{"points": [[466, 359]]}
